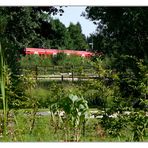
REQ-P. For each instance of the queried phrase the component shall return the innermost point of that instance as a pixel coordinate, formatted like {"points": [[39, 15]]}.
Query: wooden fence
{"points": [[72, 73]]}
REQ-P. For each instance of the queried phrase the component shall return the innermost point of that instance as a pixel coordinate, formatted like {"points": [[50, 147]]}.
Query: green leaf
{"points": [[73, 97]]}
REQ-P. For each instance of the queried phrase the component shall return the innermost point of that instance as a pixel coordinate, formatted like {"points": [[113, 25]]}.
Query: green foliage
{"points": [[13, 41], [139, 123], [104, 89], [126, 76], [18, 92], [119, 35], [56, 59], [54, 34], [31, 27], [3, 81], [75, 111], [126, 80], [121, 82], [33, 60], [72, 60], [44, 129], [79, 40], [60, 38], [120, 29], [20, 29], [61, 59], [75, 108], [42, 97], [134, 122], [115, 126]]}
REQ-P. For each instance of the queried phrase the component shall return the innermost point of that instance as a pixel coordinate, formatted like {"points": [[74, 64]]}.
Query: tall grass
{"points": [[2, 85]]}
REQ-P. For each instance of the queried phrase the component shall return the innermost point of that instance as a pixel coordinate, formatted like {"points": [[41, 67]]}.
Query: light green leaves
{"points": [[73, 97], [75, 110]]}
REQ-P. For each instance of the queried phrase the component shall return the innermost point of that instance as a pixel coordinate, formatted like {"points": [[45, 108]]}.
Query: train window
{"points": [[36, 52]]}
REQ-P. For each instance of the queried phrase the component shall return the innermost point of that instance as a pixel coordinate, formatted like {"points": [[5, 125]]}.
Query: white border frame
{"points": [[74, 2]]}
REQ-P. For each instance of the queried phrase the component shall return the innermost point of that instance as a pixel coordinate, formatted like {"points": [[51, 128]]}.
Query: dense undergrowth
{"points": [[118, 94], [61, 59]]}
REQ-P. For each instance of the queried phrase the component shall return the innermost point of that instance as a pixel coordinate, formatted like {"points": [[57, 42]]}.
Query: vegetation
{"points": [[79, 40], [35, 28], [60, 59], [112, 106], [121, 36], [121, 30]]}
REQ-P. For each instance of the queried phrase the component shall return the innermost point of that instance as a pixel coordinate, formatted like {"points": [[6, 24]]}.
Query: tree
{"points": [[122, 36], [95, 42], [20, 29], [59, 37], [79, 40], [121, 29]]}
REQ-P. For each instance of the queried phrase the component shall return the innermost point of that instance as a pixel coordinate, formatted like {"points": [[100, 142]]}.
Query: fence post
{"points": [[72, 73], [62, 77], [53, 70], [44, 70], [36, 72]]}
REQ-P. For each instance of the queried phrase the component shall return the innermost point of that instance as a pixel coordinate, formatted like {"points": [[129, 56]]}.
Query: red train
{"points": [[41, 51]]}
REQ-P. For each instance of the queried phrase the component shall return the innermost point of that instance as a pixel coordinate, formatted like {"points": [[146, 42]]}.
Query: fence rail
{"points": [[73, 73]]}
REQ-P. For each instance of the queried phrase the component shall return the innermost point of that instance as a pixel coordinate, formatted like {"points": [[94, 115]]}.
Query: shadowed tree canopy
{"points": [[34, 27], [79, 40], [59, 37], [122, 35], [19, 29], [121, 29]]}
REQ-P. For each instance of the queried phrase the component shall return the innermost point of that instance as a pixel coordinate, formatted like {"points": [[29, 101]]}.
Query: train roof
{"points": [[55, 51]]}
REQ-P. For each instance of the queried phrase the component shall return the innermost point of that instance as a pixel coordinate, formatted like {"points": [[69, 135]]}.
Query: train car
{"points": [[42, 51]]}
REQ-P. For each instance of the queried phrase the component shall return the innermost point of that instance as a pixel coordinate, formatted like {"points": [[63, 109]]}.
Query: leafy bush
{"points": [[32, 60], [75, 111], [60, 59], [56, 59], [127, 91]]}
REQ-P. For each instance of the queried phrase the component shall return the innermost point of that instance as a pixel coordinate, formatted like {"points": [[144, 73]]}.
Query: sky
{"points": [[72, 14]]}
